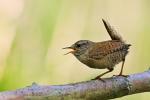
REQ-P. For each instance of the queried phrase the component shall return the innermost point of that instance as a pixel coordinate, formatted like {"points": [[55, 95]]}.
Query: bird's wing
{"points": [[101, 49], [112, 32]]}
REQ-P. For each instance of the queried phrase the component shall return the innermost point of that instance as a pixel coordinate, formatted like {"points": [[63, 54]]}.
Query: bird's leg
{"points": [[120, 74], [99, 76]]}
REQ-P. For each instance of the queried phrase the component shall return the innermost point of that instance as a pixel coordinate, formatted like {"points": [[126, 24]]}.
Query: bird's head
{"points": [[79, 47]]}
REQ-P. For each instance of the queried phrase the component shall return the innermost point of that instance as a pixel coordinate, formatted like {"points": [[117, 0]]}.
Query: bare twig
{"points": [[89, 90]]}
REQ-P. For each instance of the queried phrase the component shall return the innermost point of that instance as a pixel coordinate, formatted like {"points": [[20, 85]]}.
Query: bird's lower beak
{"points": [[73, 50], [67, 48]]}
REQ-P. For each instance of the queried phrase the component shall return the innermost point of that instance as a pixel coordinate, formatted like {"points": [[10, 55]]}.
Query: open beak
{"points": [[73, 50]]}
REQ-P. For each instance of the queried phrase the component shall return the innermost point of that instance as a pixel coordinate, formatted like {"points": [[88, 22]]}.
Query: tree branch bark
{"points": [[110, 88]]}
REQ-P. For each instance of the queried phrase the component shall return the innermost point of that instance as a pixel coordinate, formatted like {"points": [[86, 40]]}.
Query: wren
{"points": [[102, 55]]}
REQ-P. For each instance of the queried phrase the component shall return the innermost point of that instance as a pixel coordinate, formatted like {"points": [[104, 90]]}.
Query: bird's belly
{"points": [[109, 61], [98, 64]]}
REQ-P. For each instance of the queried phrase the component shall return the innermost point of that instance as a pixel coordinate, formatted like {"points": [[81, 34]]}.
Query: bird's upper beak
{"points": [[73, 50]]}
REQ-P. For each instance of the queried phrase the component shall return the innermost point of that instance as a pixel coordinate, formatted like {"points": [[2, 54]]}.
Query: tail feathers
{"points": [[112, 32]]}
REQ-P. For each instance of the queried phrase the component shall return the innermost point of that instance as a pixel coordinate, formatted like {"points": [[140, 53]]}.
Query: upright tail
{"points": [[112, 32]]}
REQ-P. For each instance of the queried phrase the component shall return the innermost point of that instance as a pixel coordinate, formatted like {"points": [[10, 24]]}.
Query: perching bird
{"points": [[101, 55]]}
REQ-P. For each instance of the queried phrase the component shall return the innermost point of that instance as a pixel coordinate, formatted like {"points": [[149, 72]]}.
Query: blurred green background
{"points": [[32, 33]]}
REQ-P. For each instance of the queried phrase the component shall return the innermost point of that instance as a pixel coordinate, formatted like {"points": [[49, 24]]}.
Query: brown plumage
{"points": [[104, 54]]}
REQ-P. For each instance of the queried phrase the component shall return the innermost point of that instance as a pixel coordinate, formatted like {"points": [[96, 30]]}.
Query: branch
{"points": [[110, 88]]}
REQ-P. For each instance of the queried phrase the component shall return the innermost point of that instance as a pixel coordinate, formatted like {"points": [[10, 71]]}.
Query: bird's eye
{"points": [[78, 45]]}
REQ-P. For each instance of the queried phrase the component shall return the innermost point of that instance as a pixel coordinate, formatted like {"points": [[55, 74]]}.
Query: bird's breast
{"points": [[98, 64]]}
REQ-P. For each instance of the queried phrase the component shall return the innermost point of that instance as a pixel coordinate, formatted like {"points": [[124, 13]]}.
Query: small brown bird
{"points": [[101, 55]]}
